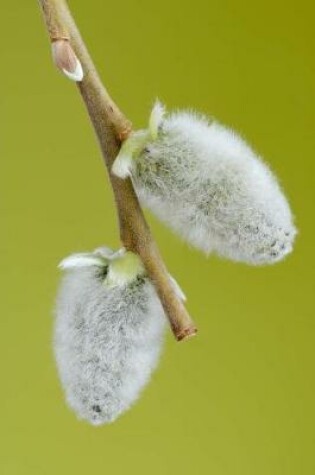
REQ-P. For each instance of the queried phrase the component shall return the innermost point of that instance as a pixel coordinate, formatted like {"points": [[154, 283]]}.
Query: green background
{"points": [[239, 398]]}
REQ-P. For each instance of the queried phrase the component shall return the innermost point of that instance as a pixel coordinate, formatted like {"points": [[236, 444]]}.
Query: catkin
{"points": [[108, 333], [209, 186]]}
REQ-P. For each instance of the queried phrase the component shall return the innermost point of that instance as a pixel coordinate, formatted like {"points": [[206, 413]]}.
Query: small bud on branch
{"points": [[66, 60]]}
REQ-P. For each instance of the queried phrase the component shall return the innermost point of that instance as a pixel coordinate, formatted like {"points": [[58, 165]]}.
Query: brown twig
{"points": [[111, 127]]}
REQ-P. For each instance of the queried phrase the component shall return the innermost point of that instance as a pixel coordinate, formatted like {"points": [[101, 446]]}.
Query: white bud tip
{"points": [[156, 119], [104, 252], [76, 261], [77, 75], [122, 166]]}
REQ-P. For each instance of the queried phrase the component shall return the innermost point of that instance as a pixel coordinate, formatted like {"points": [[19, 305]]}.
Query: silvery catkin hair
{"points": [[108, 332], [208, 185]]}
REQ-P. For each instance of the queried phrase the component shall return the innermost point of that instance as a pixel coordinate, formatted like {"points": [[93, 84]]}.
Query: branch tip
{"points": [[186, 334]]}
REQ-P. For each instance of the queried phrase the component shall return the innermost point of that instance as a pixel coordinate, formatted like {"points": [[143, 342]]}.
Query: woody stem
{"points": [[112, 127]]}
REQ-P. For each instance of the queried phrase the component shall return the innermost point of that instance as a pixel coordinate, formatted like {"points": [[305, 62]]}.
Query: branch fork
{"points": [[112, 128]]}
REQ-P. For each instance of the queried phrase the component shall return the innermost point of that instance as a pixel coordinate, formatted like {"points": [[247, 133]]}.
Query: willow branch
{"points": [[111, 127]]}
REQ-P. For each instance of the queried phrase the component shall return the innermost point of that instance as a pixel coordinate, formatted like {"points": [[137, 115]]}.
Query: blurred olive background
{"points": [[239, 398]]}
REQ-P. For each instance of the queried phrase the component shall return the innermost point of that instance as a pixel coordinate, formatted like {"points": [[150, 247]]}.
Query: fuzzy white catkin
{"points": [[208, 185], [108, 336]]}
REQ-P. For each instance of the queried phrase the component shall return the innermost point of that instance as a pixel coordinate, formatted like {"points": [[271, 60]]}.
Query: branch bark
{"points": [[111, 127]]}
